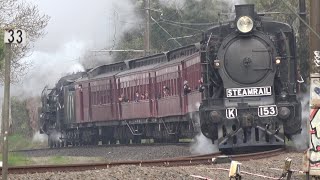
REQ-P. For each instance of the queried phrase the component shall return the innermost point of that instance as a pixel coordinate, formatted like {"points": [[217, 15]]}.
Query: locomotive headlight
{"points": [[245, 24], [278, 60], [216, 64], [284, 95]]}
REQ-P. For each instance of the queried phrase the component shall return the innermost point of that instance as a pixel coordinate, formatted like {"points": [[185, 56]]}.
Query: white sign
{"points": [[265, 111], [316, 58], [250, 91], [16, 36], [231, 113]]}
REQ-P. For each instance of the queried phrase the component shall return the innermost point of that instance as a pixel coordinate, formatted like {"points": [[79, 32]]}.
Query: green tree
{"points": [[166, 25], [20, 117]]}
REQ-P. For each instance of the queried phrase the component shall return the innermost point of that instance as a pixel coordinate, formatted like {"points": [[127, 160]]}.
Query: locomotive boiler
{"points": [[250, 71]]}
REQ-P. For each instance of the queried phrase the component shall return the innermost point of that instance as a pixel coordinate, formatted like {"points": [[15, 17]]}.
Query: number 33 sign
{"points": [[16, 36]]}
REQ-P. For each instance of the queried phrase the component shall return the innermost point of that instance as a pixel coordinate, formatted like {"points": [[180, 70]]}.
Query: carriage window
{"points": [[103, 95], [93, 97], [97, 100], [106, 96], [175, 86]]}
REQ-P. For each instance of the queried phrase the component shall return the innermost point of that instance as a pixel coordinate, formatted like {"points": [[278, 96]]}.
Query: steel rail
{"points": [[179, 161]]}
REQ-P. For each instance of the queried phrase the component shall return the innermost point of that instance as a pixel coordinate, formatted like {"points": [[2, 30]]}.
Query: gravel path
{"points": [[135, 172], [118, 153]]}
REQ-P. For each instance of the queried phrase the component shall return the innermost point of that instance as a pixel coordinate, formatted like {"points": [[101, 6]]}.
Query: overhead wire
{"points": [[183, 37], [176, 12], [165, 30], [303, 21], [182, 26], [191, 24]]}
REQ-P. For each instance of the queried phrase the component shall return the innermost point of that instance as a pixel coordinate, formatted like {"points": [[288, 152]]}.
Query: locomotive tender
{"points": [[243, 75]]}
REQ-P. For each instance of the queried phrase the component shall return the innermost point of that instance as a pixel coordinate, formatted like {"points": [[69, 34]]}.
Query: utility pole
{"points": [[314, 40], [303, 14], [147, 28], [302, 39], [5, 111]]}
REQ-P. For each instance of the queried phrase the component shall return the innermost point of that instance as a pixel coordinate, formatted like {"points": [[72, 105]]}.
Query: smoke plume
{"points": [[37, 137], [301, 141], [201, 144]]}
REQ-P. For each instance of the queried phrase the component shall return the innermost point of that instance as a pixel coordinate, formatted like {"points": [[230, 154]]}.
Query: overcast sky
{"points": [[83, 20]]}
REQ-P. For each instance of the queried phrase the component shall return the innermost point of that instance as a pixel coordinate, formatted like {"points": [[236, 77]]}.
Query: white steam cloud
{"points": [[37, 137], [47, 68], [201, 144], [75, 27], [301, 141]]}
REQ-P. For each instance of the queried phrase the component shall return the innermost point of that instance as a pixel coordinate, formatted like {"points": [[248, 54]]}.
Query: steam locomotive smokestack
{"points": [[244, 10]]}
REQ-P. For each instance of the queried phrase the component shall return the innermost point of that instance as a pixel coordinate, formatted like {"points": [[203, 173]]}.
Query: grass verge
{"points": [[17, 142]]}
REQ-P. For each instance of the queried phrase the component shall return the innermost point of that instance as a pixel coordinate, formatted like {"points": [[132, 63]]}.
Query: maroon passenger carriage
{"points": [[101, 104]]}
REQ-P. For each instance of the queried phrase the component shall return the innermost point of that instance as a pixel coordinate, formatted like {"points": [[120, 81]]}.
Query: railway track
{"points": [[180, 161], [105, 146]]}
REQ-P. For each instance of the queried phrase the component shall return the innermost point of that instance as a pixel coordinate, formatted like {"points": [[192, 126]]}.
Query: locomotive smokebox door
{"points": [[315, 90]]}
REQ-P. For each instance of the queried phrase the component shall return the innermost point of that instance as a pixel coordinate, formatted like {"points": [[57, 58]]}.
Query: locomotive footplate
{"points": [[249, 130], [247, 126]]}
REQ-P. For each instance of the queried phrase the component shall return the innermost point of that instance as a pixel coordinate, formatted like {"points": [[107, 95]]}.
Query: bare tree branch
{"points": [[21, 15]]}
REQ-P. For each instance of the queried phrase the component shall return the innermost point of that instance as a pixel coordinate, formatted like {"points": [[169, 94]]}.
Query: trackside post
{"points": [[16, 36]]}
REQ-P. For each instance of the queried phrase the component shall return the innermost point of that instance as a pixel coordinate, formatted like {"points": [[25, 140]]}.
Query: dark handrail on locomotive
{"points": [[233, 74]]}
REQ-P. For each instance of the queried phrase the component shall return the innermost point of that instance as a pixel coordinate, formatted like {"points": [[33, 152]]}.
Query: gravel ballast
{"points": [[262, 166], [117, 153]]}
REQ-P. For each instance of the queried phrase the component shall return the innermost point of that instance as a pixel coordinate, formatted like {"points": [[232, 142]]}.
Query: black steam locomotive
{"points": [[250, 71]]}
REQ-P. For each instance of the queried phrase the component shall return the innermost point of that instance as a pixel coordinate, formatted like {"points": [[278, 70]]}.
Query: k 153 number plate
{"points": [[265, 111]]}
